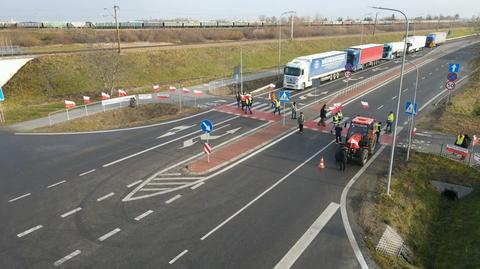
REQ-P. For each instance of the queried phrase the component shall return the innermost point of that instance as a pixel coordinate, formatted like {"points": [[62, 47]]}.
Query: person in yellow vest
{"points": [[460, 139], [390, 119], [336, 119], [377, 128], [340, 116], [277, 107]]}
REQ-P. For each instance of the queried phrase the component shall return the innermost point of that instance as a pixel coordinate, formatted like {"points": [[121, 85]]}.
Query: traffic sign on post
{"points": [[206, 126], [452, 76], [410, 108], [348, 74], [2, 97], [348, 67], [453, 68], [284, 96], [450, 85]]}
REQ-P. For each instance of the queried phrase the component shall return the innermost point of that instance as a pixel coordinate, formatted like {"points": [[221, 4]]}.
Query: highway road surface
{"points": [[146, 198]]}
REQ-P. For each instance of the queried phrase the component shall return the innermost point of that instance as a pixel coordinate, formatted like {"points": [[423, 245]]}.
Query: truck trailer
{"points": [[416, 43], [392, 50], [301, 71], [359, 57], [435, 39]]}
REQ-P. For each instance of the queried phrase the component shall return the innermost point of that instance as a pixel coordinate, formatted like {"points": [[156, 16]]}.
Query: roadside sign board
{"points": [[452, 76], [206, 126], [2, 97], [284, 96], [450, 85], [348, 74], [348, 67], [453, 68], [410, 108]]}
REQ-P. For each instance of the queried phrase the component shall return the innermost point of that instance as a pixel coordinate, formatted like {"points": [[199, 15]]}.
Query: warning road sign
{"points": [[410, 108], [450, 85]]}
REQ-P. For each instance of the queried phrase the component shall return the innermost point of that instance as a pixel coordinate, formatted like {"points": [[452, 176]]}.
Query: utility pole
{"points": [[375, 24], [241, 70], [291, 30], [115, 8]]}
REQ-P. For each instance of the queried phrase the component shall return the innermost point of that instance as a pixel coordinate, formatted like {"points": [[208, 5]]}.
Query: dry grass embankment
{"points": [[441, 233], [122, 118]]}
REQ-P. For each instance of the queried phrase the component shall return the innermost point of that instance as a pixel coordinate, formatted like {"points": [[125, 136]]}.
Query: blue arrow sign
{"points": [[284, 96], [452, 76], [206, 126], [453, 68], [410, 109], [2, 97]]}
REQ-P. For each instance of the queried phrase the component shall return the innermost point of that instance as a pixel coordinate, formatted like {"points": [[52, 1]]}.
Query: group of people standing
{"points": [[245, 101]]}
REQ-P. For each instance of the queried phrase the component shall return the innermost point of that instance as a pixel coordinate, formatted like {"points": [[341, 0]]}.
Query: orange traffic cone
{"points": [[321, 165]]}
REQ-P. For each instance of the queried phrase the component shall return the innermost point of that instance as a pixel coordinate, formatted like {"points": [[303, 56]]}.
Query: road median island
{"points": [[121, 118]]}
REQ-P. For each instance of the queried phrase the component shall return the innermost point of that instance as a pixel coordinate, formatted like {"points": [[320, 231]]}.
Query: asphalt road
{"points": [[57, 210]]}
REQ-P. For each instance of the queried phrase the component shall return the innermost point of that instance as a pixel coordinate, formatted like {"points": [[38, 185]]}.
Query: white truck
{"points": [[393, 50], [300, 72], [435, 39], [416, 43]]}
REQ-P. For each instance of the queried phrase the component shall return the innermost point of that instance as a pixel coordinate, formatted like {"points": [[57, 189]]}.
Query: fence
{"points": [[10, 50]]}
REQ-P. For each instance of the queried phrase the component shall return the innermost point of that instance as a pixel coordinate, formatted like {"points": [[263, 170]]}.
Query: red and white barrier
{"points": [[457, 150]]}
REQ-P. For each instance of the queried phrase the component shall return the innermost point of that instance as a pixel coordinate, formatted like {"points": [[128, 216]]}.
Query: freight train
{"points": [[196, 24]]}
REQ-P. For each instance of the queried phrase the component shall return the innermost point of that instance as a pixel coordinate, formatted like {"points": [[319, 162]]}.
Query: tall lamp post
{"points": [[280, 39], [392, 155], [414, 112]]}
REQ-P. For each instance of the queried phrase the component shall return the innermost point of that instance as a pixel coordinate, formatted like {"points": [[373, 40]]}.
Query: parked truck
{"points": [[359, 57], [416, 43], [300, 72], [392, 50], [435, 39]]}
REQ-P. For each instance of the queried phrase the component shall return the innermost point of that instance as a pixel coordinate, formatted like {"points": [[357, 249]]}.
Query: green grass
{"points": [[46, 81], [441, 233]]}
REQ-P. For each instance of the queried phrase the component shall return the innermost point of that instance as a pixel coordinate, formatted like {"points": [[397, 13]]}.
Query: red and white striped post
{"points": [[207, 149]]}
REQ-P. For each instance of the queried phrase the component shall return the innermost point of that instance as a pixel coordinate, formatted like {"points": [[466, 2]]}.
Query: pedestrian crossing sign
{"points": [[284, 96], [410, 108]]}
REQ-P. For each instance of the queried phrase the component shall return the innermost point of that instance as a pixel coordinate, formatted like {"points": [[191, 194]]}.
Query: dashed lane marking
{"points": [[197, 185], [109, 234], [143, 215], [64, 215], [56, 184], [173, 199], [134, 183], [105, 196], [178, 256], [66, 258], [405, 90], [86, 173], [31, 230], [19, 197], [395, 97], [380, 107]]}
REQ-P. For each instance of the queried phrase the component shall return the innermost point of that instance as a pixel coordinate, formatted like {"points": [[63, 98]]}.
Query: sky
{"points": [[93, 10]]}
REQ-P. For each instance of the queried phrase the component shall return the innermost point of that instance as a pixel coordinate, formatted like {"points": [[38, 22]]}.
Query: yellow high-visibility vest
{"points": [[277, 103], [460, 139], [390, 117]]}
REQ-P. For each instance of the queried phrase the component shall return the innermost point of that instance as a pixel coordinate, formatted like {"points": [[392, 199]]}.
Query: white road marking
{"points": [[134, 183], [430, 73], [395, 97], [423, 77], [161, 145], [178, 256], [71, 212], [380, 107], [29, 231], [173, 199], [141, 216], [109, 234], [86, 173], [426, 135], [197, 185], [154, 189], [266, 191], [19, 197], [66, 258], [105, 197], [172, 174], [294, 253], [405, 90], [176, 178], [56, 184]]}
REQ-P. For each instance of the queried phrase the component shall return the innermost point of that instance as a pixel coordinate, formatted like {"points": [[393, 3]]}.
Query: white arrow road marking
{"points": [[174, 130], [190, 142], [323, 93], [303, 97], [213, 137]]}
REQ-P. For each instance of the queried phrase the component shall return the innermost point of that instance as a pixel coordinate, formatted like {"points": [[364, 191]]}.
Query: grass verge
{"points": [[122, 118], [440, 232]]}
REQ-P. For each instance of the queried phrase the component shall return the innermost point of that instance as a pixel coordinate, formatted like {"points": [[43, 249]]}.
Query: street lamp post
{"points": [[392, 155], [413, 114], [280, 40]]}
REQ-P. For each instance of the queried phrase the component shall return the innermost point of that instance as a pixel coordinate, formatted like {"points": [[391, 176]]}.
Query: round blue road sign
{"points": [[206, 126], [349, 67], [452, 76]]}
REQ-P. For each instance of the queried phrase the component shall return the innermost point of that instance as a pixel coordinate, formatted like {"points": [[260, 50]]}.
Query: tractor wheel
{"points": [[373, 144], [363, 156]]}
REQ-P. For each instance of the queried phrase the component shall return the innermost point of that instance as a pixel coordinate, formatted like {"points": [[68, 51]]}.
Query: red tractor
{"points": [[361, 139]]}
